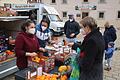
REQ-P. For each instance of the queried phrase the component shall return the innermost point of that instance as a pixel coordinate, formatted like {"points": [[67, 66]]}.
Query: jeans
{"points": [[108, 62]]}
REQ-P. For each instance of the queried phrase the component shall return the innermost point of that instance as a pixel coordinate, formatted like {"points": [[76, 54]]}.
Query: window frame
{"points": [[53, 2], [102, 2], [118, 14], [64, 2], [63, 14], [85, 1], [78, 15], [99, 14]]}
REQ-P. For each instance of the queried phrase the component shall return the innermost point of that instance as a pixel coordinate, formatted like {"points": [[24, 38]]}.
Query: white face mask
{"points": [[71, 20], [82, 31], [31, 31], [44, 28]]}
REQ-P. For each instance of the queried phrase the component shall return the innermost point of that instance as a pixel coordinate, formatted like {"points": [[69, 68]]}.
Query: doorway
{"points": [[84, 14]]}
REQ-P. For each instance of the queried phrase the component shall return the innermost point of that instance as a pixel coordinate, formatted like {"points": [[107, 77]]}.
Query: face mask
{"points": [[44, 28], [71, 20], [31, 31], [82, 32]]}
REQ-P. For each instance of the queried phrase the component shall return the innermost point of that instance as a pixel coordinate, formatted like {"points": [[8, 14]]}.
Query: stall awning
{"points": [[25, 9], [13, 18]]}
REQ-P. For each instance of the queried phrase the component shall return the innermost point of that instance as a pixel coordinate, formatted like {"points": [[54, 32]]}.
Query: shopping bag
{"points": [[75, 74], [75, 67]]}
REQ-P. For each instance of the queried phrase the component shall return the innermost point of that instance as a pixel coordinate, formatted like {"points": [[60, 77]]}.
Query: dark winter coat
{"points": [[71, 27], [109, 35], [91, 56]]}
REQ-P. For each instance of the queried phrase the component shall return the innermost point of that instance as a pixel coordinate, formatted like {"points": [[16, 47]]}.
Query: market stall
{"points": [[49, 68], [9, 28]]}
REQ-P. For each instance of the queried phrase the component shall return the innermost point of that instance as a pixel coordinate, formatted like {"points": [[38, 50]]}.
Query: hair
{"points": [[90, 22], [45, 19], [26, 24], [106, 24]]}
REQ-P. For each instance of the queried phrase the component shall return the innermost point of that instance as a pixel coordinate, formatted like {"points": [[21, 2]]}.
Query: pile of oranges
{"points": [[37, 59], [64, 68], [8, 52], [51, 77]]}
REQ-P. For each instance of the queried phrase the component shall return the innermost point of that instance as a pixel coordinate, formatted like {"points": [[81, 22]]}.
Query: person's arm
{"points": [[108, 51], [113, 34], [65, 27], [49, 36], [76, 45], [90, 51], [77, 29], [19, 46]]}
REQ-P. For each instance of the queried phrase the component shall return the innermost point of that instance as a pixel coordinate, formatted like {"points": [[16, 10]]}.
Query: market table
{"points": [[22, 75], [61, 58]]}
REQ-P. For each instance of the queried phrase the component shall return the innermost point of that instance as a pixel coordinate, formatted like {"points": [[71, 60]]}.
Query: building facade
{"points": [[7, 2], [101, 10]]}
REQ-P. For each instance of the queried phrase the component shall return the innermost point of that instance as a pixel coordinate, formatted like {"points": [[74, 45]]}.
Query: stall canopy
{"points": [[13, 18]]}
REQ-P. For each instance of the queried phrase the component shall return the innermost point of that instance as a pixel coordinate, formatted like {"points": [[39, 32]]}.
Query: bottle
{"points": [[28, 75], [64, 42], [39, 71]]}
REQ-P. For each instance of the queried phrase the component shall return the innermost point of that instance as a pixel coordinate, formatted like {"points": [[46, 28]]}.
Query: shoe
{"points": [[108, 69]]}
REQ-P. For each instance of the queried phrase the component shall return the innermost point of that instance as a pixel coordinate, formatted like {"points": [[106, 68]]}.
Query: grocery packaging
{"points": [[47, 63]]}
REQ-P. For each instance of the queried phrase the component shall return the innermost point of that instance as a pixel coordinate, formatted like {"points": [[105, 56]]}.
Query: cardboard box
{"points": [[47, 63]]}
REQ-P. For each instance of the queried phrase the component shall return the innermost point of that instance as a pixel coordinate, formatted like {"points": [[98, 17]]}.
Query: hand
{"points": [[72, 35], [31, 54], [42, 49], [70, 44]]}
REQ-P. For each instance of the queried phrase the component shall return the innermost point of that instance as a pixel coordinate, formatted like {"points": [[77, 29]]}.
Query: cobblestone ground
{"points": [[113, 74]]}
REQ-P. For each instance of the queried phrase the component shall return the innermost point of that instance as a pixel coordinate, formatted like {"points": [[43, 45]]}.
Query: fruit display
{"points": [[2, 57], [9, 54], [48, 63], [3, 42], [6, 55], [52, 77], [64, 69], [7, 12], [62, 56], [47, 77]]}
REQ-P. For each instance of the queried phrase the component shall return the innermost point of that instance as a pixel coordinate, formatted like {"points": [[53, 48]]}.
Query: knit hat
{"points": [[111, 44]]}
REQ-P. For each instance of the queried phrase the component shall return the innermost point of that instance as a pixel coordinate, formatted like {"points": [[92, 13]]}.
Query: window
{"points": [[55, 18], [84, 14], [101, 14], [85, 0], [53, 1], [78, 15], [64, 14], [64, 1], [102, 1], [7, 5], [118, 14]]}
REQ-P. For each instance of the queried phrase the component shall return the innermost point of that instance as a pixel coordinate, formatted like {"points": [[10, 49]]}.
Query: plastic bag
{"points": [[75, 67]]}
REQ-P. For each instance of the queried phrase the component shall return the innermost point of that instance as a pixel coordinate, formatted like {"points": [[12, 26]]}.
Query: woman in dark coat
{"points": [[92, 49]]}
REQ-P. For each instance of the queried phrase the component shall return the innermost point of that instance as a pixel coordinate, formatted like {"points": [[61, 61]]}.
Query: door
{"points": [[84, 14]]}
